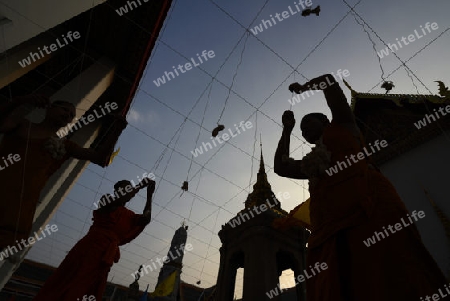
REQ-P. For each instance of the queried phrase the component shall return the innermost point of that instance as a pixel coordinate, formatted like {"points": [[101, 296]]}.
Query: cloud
{"points": [[134, 115], [149, 117]]}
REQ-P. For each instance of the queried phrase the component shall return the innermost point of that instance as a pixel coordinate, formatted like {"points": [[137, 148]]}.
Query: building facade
{"points": [[416, 161], [84, 53], [261, 250]]}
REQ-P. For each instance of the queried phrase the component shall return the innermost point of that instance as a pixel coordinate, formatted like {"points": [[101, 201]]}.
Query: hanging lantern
{"points": [[216, 131], [137, 276], [388, 85], [308, 11], [185, 186]]}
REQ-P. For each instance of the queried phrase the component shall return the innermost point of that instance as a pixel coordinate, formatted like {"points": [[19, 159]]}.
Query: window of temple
{"points": [[287, 284], [239, 284]]}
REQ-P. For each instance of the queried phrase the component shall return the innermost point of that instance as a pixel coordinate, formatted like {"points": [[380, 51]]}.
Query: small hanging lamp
{"points": [[306, 12], [218, 128], [185, 186], [387, 85]]}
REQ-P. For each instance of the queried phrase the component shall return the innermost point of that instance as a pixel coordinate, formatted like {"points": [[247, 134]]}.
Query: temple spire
{"points": [[262, 170], [262, 191]]}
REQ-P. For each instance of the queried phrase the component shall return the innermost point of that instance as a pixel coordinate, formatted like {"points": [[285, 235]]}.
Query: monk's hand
{"points": [[146, 182], [296, 87], [151, 186], [288, 121], [120, 121], [38, 100]]}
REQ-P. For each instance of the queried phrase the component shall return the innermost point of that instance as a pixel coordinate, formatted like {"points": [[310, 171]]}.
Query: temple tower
{"points": [[263, 252], [133, 293], [173, 263]]}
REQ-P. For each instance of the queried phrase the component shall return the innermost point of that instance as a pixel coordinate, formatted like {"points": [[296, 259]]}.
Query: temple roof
{"points": [[262, 192], [392, 117], [398, 99]]}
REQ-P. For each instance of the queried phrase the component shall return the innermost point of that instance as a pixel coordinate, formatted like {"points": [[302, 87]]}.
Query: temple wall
{"points": [[25, 19], [426, 166]]}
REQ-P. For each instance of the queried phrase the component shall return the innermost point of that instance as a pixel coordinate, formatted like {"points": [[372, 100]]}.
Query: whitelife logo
{"points": [[243, 217], [224, 136], [280, 17], [373, 240], [430, 118], [322, 86], [108, 198], [11, 159], [361, 155], [11, 250], [188, 66], [87, 298], [90, 118], [35, 56], [319, 267], [411, 38], [124, 9], [164, 260]]}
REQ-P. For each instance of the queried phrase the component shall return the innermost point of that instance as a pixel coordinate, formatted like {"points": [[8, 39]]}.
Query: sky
{"points": [[167, 122]]}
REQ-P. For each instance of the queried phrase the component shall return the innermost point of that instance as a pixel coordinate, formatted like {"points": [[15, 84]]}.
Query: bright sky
{"points": [[219, 178]]}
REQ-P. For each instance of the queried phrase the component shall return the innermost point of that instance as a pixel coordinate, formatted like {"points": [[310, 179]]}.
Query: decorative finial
{"points": [[262, 170], [137, 275], [443, 90], [388, 86]]}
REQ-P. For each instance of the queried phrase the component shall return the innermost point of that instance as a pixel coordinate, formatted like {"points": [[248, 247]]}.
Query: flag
{"points": [[165, 288], [113, 155], [301, 213], [144, 295], [299, 216]]}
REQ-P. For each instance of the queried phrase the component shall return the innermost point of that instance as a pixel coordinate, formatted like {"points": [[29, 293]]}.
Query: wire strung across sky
{"points": [[213, 77]]}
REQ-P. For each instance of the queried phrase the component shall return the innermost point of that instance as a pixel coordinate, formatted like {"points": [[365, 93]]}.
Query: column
{"points": [[227, 276], [83, 91], [260, 273]]}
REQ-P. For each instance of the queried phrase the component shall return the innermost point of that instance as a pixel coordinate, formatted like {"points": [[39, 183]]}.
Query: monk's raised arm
{"points": [[12, 113], [336, 100], [283, 166], [147, 215], [103, 153], [96, 157]]}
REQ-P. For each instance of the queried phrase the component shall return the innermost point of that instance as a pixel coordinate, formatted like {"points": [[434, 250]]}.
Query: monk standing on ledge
{"points": [[347, 207], [85, 269]]}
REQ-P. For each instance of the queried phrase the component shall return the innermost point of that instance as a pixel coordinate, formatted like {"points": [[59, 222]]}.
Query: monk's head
{"points": [[121, 188], [60, 113], [312, 126]]}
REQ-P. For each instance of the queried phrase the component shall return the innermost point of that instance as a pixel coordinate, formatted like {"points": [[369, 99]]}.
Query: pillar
{"points": [[261, 272], [83, 91]]}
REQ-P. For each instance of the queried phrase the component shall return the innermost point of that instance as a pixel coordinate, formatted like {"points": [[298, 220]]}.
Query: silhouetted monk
{"points": [[85, 269], [348, 207], [39, 153]]}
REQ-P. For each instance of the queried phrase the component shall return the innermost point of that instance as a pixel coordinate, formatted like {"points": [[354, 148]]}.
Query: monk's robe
{"points": [[22, 183], [346, 209], [85, 269]]}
